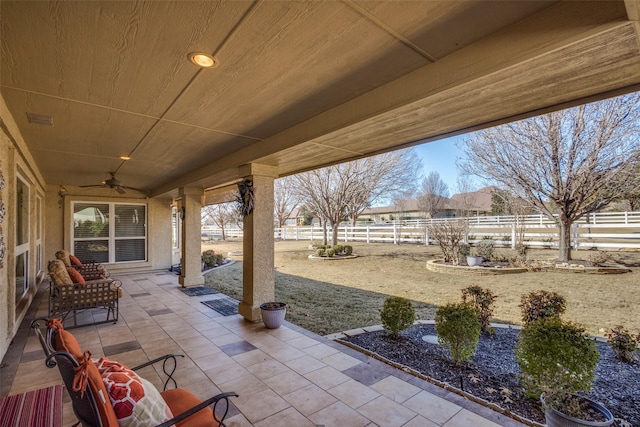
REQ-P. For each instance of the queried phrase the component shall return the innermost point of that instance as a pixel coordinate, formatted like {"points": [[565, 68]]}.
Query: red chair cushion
{"points": [[75, 275], [180, 400]]}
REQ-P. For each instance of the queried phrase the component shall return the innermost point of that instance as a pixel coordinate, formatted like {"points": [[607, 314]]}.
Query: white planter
{"points": [[474, 260], [273, 314]]}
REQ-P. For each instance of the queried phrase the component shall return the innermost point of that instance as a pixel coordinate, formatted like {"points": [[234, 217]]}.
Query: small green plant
{"points": [[623, 344], [397, 314], [338, 248], [348, 249], [482, 301], [541, 305], [330, 252], [556, 358], [485, 248], [321, 247], [320, 252], [458, 330]]}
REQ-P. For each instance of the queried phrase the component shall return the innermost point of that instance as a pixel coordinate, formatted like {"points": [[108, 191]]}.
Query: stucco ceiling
{"points": [[300, 84]]}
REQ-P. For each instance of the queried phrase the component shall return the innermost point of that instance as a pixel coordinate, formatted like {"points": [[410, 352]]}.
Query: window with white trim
{"points": [[110, 232], [22, 238]]}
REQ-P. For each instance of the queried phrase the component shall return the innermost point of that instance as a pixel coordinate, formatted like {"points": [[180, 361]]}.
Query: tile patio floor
{"points": [[286, 377]]}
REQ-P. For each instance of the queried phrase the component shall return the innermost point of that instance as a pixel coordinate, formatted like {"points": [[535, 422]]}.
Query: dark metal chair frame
{"points": [[84, 404], [66, 300]]}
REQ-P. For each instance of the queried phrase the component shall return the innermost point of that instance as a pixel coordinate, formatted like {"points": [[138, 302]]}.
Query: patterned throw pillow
{"points": [[58, 273], [135, 400], [63, 255]]}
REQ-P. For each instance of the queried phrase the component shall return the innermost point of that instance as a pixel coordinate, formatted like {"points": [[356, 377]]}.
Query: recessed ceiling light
{"points": [[125, 158], [203, 60]]}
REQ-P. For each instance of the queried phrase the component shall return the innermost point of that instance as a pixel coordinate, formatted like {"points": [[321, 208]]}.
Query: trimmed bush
{"points": [[397, 314], [348, 249], [338, 248], [464, 250], [623, 344], [330, 252], [458, 330], [554, 355], [485, 248], [482, 301], [209, 258], [320, 252], [541, 305]]}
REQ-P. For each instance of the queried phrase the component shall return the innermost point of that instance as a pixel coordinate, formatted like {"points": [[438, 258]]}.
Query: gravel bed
{"points": [[492, 374]]}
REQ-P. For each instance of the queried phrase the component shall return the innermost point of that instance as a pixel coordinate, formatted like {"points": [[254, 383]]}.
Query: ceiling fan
{"points": [[114, 183]]}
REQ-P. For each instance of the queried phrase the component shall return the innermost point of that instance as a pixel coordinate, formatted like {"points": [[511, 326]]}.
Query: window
{"points": [[38, 235], [110, 232], [22, 238]]}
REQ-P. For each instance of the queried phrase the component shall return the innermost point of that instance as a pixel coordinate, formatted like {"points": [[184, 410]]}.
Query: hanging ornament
{"points": [[244, 199]]}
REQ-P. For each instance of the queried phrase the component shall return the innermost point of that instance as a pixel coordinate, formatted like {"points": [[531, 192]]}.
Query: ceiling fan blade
{"points": [[92, 186], [120, 190]]}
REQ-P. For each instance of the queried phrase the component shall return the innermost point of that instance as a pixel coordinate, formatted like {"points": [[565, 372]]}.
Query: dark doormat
{"points": [[225, 306], [197, 291]]}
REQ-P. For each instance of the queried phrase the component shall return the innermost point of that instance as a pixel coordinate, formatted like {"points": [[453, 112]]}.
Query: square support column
{"points": [[189, 208], [258, 275]]}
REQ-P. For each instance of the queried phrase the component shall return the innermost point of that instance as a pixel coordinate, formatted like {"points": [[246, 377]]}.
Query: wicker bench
{"points": [[69, 300]]}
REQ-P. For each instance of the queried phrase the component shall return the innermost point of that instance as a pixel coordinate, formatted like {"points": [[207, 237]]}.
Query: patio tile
{"points": [[395, 389], [365, 373], [386, 412], [260, 405], [228, 372], [302, 342], [340, 361], [288, 417], [327, 377], [305, 364], [421, 421], [268, 368], [353, 393], [252, 357], [286, 382], [432, 407], [339, 415], [110, 350], [244, 385], [320, 350], [310, 399], [213, 361], [466, 418], [236, 348]]}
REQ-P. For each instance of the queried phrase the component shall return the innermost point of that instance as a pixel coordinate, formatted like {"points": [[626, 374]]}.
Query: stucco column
{"points": [[189, 207], [258, 277]]}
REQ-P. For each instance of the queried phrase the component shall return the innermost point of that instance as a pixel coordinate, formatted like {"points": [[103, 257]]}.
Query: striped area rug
{"points": [[38, 408]]}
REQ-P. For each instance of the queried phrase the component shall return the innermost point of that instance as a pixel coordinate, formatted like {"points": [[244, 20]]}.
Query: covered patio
{"points": [[287, 376]]}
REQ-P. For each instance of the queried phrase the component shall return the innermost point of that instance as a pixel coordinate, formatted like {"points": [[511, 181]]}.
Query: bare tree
{"points": [[285, 199], [343, 191], [433, 195], [449, 234], [569, 162], [221, 215], [466, 196]]}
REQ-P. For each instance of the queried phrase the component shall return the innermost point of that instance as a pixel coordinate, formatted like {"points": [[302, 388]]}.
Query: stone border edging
{"points": [[226, 264], [333, 258], [436, 265]]}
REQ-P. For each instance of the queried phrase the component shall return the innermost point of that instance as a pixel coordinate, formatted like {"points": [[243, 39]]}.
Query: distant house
{"points": [[473, 203]]}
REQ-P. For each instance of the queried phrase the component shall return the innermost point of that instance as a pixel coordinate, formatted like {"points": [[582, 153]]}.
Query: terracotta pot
{"points": [[273, 314]]}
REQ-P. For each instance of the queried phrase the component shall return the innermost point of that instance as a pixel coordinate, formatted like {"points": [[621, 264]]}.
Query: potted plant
{"points": [[473, 260], [273, 314], [557, 360]]}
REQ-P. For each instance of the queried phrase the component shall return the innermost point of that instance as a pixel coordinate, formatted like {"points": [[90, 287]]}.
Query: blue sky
{"points": [[441, 156]]}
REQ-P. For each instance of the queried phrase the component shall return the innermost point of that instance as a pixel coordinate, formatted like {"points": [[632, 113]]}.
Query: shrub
{"points": [[623, 344], [209, 258], [219, 259], [482, 301], [397, 314], [449, 235], [541, 305], [330, 252], [320, 252], [321, 247], [338, 248], [458, 329], [348, 249], [555, 355], [464, 250], [485, 248], [596, 258]]}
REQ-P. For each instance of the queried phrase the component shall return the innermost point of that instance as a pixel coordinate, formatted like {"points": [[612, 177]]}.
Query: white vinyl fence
{"points": [[611, 230]]}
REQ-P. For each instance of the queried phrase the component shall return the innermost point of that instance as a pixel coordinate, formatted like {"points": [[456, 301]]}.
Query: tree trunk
{"points": [[223, 236], [334, 234], [324, 232], [564, 241]]}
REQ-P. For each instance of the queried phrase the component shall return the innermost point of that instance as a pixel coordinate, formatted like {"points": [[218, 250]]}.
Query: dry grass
{"points": [[332, 296]]}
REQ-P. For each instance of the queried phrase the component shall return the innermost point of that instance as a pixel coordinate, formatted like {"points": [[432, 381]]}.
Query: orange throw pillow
{"points": [[75, 275], [75, 261]]}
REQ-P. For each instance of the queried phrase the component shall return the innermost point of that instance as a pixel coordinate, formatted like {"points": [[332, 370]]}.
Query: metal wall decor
{"points": [[245, 197]]}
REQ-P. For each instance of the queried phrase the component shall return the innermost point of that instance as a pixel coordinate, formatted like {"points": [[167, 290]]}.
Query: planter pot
{"points": [[474, 260], [558, 419], [273, 314]]}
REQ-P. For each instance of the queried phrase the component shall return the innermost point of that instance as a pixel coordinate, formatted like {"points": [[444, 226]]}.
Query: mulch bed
{"points": [[492, 375]]}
